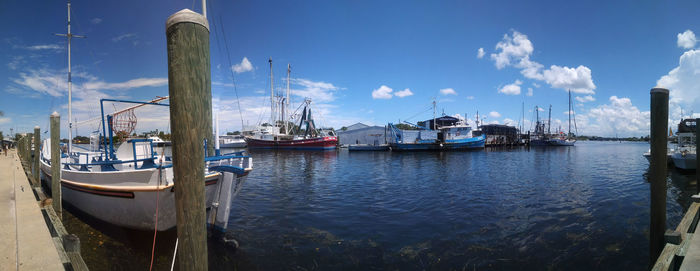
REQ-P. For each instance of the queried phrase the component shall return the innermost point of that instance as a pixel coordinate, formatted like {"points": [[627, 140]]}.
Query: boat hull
{"points": [[317, 143], [473, 143], [552, 142], [130, 199], [685, 162], [362, 147], [233, 145]]}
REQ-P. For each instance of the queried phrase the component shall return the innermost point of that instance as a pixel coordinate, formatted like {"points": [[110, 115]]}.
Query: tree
{"points": [[404, 126]]}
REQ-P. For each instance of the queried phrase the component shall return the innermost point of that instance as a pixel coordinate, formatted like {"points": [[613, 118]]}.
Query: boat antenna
{"points": [[69, 36]]}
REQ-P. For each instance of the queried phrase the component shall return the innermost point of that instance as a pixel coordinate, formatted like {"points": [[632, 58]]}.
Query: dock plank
{"points": [[667, 258]]}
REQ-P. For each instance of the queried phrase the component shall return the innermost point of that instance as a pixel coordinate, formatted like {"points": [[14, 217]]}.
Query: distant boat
{"points": [[540, 138], [368, 147], [455, 135], [232, 141], [280, 135]]}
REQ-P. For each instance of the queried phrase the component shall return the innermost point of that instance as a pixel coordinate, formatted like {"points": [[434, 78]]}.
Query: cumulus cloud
{"points": [[448, 91], [470, 97], [96, 20], [686, 40], [620, 116], [124, 37], [244, 66], [529, 92], [403, 93], [511, 89], [133, 83], [318, 91], [494, 114], [383, 92], [683, 83], [480, 53], [516, 49], [583, 99]]}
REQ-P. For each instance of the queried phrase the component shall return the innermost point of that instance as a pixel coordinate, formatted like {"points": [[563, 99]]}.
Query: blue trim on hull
{"points": [[292, 148], [460, 144]]}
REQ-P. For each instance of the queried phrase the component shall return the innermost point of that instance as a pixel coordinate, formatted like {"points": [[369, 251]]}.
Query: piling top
{"points": [[36, 127], [55, 114], [659, 90], [186, 16]]}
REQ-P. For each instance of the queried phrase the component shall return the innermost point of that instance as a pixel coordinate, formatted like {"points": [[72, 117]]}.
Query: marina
{"points": [[164, 141]]}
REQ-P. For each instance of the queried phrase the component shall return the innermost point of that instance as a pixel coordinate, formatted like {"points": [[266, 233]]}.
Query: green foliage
{"points": [[404, 126]]}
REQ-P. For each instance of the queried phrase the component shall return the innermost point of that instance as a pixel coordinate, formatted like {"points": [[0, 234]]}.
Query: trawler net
{"points": [[124, 123]]}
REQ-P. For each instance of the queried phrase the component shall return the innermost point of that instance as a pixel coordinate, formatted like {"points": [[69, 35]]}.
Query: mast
{"points": [[69, 36], [537, 124], [549, 121], [569, 134], [272, 96], [286, 126], [434, 120]]}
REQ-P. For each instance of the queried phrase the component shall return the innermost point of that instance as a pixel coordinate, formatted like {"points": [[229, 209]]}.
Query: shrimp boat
{"points": [[132, 186], [540, 138], [282, 135]]}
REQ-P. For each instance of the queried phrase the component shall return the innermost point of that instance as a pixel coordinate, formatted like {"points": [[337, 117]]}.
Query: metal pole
{"points": [[56, 164], [35, 161], [697, 161], [189, 85], [657, 171]]}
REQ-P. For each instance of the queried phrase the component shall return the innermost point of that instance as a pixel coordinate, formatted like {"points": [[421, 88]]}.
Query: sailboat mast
{"points": [[569, 134], [289, 70], [549, 121], [434, 122], [70, 36], [272, 95]]}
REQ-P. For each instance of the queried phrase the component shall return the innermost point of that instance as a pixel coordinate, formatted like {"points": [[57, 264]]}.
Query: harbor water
{"points": [[584, 207]]}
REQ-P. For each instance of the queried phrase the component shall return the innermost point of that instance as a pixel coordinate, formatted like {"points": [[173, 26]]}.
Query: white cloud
{"points": [[42, 81], [620, 117], [686, 40], [318, 91], [448, 91], [683, 83], [5, 120], [587, 98], [578, 79], [508, 121], [494, 114], [515, 50], [244, 66], [403, 93], [529, 92], [536, 85], [383, 92], [511, 89], [45, 47], [123, 37], [133, 83], [480, 53], [540, 109], [470, 97], [96, 20]]}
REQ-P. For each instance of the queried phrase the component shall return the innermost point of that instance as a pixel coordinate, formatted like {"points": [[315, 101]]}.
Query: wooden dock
{"points": [[682, 249], [31, 235]]}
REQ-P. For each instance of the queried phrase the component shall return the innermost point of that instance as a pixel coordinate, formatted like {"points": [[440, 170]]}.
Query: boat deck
{"points": [[25, 241]]}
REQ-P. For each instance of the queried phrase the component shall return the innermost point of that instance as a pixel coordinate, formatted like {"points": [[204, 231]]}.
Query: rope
{"points": [[233, 77], [155, 230], [172, 266]]}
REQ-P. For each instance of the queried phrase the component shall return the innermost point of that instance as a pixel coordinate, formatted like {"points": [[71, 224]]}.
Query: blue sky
{"points": [[363, 61]]}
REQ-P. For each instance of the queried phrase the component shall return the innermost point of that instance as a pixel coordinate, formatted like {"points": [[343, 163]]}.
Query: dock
{"points": [[31, 235]]}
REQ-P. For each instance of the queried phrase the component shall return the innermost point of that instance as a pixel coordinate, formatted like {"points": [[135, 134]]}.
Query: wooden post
{"points": [[35, 162], [697, 161], [657, 171], [56, 165], [189, 85]]}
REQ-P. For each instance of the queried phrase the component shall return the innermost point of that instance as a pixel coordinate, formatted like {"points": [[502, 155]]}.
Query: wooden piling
{"points": [[657, 171], [56, 165], [35, 161], [189, 85]]}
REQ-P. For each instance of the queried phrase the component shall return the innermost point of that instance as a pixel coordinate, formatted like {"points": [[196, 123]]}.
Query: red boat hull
{"points": [[316, 143]]}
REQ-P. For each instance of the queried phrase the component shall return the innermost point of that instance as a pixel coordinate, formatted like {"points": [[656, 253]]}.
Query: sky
{"points": [[373, 62]]}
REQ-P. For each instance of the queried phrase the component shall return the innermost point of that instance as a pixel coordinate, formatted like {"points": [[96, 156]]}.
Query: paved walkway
{"points": [[25, 241]]}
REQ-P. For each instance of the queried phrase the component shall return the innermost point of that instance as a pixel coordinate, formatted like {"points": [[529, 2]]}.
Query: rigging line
{"points": [[233, 77]]}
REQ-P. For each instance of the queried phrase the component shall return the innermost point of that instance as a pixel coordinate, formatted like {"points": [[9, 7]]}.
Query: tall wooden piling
{"points": [[189, 85], [35, 161], [56, 165], [697, 160], [657, 171]]}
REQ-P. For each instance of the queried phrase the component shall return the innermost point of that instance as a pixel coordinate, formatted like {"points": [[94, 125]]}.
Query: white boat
{"points": [[133, 187], [232, 141], [669, 153], [685, 155]]}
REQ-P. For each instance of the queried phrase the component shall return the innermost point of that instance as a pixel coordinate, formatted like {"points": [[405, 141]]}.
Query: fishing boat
{"points": [[446, 133], [132, 186], [685, 154], [232, 141], [540, 138], [281, 134]]}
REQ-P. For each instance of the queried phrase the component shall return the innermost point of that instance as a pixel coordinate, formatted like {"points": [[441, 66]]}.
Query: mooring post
{"points": [[37, 150], [56, 165], [697, 161], [657, 171], [189, 86]]}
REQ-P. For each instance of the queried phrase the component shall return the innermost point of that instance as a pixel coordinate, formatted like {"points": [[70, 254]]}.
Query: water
{"points": [[583, 207]]}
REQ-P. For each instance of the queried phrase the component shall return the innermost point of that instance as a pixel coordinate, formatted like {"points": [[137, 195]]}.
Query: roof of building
{"points": [[358, 125]]}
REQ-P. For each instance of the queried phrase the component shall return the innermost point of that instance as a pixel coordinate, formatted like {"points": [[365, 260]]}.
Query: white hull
{"points": [[687, 162], [233, 145]]}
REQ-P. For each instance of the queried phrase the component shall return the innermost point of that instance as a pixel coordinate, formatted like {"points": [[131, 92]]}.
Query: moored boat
{"points": [[452, 134]]}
